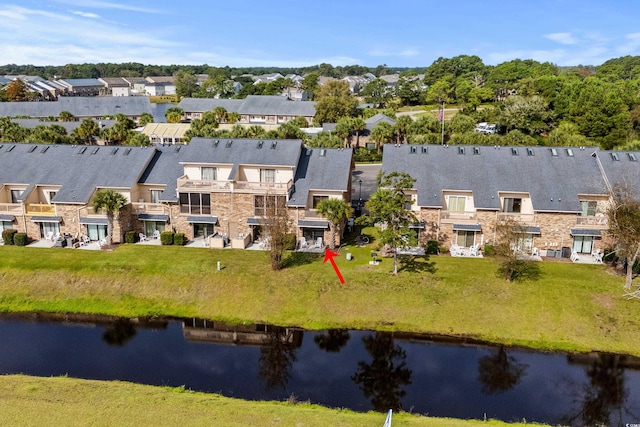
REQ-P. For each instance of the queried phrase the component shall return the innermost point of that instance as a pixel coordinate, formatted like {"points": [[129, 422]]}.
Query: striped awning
{"points": [[93, 221], [306, 223], [585, 232], [7, 218], [57, 219], [202, 219], [467, 227], [153, 217]]}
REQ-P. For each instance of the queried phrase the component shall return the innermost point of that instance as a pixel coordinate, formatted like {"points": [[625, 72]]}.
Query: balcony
{"points": [[519, 217], [11, 208], [595, 221], [40, 209], [261, 187], [147, 208], [458, 216], [186, 185]]}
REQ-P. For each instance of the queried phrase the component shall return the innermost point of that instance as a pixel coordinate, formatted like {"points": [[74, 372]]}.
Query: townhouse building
{"points": [[558, 197]]}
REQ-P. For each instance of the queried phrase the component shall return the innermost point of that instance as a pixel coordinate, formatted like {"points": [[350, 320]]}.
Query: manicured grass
{"points": [[63, 401], [572, 307]]}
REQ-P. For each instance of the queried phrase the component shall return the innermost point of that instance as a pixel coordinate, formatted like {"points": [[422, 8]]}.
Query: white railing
{"points": [[147, 208], [11, 208], [448, 216], [522, 218], [592, 220]]}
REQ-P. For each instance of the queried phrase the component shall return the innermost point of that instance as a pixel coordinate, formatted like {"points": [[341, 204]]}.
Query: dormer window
{"points": [[208, 173]]}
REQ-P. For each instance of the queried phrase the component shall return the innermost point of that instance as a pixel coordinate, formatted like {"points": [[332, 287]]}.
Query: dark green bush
{"points": [[130, 237], [7, 236], [432, 247], [166, 238], [179, 239], [489, 250], [20, 239], [289, 241]]}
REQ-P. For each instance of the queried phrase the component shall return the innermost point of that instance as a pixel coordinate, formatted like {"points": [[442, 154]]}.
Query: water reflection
{"points": [[359, 370], [499, 372], [382, 378]]}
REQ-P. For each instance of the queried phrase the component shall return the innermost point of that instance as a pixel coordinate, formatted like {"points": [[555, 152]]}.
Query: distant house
{"points": [[82, 87], [160, 85], [166, 133], [116, 86], [137, 85]]}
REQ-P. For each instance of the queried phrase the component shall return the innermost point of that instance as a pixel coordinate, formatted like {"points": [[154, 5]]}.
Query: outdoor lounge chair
{"points": [[574, 256], [156, 234], [49, 236], [474, 250], [318, 242], [143, 237], [303, 243], [455, 250]]}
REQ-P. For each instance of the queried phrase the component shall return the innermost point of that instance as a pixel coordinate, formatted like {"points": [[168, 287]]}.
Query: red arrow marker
{"points": [[328, 255]]}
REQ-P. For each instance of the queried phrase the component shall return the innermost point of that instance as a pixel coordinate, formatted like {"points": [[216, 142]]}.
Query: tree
{"points": [[332, 340], [186, 84], [334, 101], [512, 266], [66, 116], [17, 91], [336, 211], [277, 354], [88, 130], [311, 83], [174, 114], [11, 131], [221, 114], [499, 372], [529, 115], [409, 88], [276, 225], [111, 202], [624, 226], [324, 140], [137, 139], [52, 134], [388, 205], [382, 133], [401, 128], [145, 119], [376, 92]]}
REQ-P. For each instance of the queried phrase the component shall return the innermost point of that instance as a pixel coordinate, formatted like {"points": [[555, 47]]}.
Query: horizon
{"points": [[407, 33]]}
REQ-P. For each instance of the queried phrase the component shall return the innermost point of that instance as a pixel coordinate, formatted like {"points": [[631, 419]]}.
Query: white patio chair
{"points": [[156, 234], [455, 250], [574, 256], [303, 243], [49, 236], [143, 237], [318, 242], [474, 250]]}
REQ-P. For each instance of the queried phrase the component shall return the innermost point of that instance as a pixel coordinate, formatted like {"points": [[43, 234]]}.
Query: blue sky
{"points": [[403, 33]]}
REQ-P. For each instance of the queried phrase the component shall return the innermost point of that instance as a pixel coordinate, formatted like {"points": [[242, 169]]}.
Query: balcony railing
{"points": [[147, 208], [601, 221], [281, 187], [523, 218], [201, 185], [453, 216], [40, 209], [11, 208], [312, 213]]}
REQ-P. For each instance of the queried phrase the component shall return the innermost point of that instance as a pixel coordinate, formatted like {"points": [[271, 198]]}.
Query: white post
{"points": [[218, 265]]}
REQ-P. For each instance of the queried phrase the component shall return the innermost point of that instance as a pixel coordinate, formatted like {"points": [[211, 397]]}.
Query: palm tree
{"points": [[111, 202], [66, 116], [335, 211], [87, 130]]}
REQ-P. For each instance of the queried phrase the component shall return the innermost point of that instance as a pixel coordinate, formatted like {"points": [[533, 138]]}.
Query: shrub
{"points": [[432, 247], [20, 239], [489, 250], [178, 239], [166, 237], [7, 236], [130, 237], [289, 242]]}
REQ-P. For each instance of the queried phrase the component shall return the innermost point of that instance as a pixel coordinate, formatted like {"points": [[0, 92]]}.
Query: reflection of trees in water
{"points": [[277, 354], [499, 372], [601, 400], [381, 379], [119, 332], [333, 340]]}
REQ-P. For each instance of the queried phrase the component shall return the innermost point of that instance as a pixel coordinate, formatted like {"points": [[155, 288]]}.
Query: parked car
{"points": [[486, 128]]}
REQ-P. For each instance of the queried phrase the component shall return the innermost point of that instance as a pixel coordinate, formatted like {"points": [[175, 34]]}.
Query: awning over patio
{"points": [[93, 221], [306, 223], [254, 221], [467, 227], [417, 225], [585, 232], [528, 230], [46, 219], [7, 218], [153, 217], [203, 219]]}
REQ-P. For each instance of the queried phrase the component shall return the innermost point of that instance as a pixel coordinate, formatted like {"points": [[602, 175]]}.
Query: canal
{"points": [[360, 370]]}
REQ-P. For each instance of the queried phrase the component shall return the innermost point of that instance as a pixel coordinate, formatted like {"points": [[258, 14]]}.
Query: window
{"points": [[588, 208], [583, 244], [6, 225], [267, 175], [52, 194], [456, 203], [151, 226], [155, 196], [195, 203], [317, 200], [268, 205], [208, 173], [465, 238], [512, 205], [15, 195]]}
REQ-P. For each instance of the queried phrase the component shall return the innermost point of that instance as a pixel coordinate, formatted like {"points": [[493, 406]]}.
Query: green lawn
{"points": [[572, 307], [59, 401]]}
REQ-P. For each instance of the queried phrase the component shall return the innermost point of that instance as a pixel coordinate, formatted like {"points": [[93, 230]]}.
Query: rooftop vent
{"points": [[260, 143], [460, 150], [32, 149], [425, 150], [632, 157], [530, 152], [514, 151], [615, 157], [95, 150], [569, 152], [127, 151], [323, 152], [308, 151], [554, 151], [273, 145], [11, 148], [229, 143], [476, 150], [413, 149], [177, 149], [114, 151], [82, 150], [44, 149], [216, 142]]}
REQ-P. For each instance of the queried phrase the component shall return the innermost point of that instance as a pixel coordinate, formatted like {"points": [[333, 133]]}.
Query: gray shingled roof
{"points": [[243, 152], [330, 171], [68, 126], [252, 104], [83, 82], [79, 106], [165, 169], [553, 182], [372, 121], [79, 170], [625, 170]]}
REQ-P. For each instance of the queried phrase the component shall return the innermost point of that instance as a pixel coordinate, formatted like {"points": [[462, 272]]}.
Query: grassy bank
{"points": [[66, 401], [572, 307]]}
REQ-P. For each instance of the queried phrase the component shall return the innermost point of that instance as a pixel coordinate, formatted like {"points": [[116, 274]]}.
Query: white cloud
{"points": [[97, 4], [562, 38], [85, 14]]}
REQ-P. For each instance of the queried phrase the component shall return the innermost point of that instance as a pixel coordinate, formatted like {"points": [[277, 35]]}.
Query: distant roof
{"points": [[165, 168], [68, 126], [114, 81], [83, 82], [621, 167], [553, 181], [200, 105], [79, 106], [321, 168], [371, 122], [160, 79], [79, 170], [252, 104], [169, 130]]}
